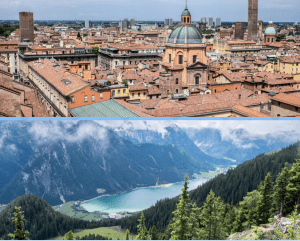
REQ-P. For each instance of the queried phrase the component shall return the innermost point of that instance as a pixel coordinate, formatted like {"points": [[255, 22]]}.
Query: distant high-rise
{"points": [[132, 23], [211, 22], [252, 20], [218, 22], [203, 20], [166, 21], [121, 25], [26, 26], [239, 30], [125, 23], [171, 21], [86, 23]]}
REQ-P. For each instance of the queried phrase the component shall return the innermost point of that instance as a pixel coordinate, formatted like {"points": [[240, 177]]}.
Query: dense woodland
{"points": [[230, 187], [245, 197]]}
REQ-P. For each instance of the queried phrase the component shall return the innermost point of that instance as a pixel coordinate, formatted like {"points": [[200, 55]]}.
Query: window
{"points": [[176, 91], [80, 66], [132, 95], [93, 98], [197, 80], [101, 95], [86, 67], [130, 62], [139, 94], [123, 62], [116, 62], [124, 91], [170, 58], [180, 59], [168, 92], [184, 19], [119, 92], [72, 99], [144, 93], [113, 93], [85, 98], [177, 81], [194, 58]]}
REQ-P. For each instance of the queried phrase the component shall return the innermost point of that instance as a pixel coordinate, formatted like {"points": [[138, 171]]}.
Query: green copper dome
{"points": [[186, 12], [270, 30], [185, 34]]}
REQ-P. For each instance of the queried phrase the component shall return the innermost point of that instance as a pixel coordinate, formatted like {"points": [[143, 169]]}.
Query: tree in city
{"points": [[18, 220]]}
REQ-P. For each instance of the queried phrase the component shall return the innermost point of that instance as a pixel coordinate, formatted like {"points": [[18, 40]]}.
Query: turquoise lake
{"points": [[138, 199]]}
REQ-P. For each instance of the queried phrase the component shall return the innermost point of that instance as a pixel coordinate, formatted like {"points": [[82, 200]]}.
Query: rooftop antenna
{"points": [[186, 4]]}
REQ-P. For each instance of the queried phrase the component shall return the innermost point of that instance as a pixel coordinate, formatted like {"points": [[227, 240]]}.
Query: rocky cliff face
{"points": [[279, 229]]}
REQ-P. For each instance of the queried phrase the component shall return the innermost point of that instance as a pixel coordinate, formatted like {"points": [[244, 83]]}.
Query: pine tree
{"points": [[195, 221], [281, 189], [153, 233], [239, 220], [293, 188], [229, 220], [127, 235], [142, 230], [264, 204], [18, 220], [69, 236], [212, 218], [248, 205], [180, 227]]}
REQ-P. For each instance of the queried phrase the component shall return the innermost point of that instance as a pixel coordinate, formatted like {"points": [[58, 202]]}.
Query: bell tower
{"points": [[186, 18]]}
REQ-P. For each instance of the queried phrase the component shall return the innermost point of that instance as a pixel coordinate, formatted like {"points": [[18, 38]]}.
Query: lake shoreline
{"points": [[135, 189]]}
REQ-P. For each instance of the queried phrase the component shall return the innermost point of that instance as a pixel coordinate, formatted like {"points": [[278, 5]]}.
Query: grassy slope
{"points": [[75, 211], [113, 232]]}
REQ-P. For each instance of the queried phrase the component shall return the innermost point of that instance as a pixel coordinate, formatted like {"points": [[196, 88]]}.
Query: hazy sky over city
{"points": [[145, 10]]}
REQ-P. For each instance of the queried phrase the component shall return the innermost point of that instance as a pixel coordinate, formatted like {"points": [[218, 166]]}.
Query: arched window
{"points": [[184, 19], [188, 20], [177, 81], [197, 78]]}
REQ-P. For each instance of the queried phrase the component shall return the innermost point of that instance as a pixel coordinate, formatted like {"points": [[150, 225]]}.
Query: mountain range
{"points": [[61, 161]]}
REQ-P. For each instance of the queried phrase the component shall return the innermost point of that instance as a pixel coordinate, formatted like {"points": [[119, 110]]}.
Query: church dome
{"points": [[186, 12], [185, 34], [270, 30]]}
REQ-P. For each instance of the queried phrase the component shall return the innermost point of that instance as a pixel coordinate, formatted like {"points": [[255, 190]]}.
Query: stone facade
{"points": [[252, 20]]}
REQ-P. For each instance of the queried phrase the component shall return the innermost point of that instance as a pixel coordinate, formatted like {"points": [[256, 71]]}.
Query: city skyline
{"points": [[140, 10]]}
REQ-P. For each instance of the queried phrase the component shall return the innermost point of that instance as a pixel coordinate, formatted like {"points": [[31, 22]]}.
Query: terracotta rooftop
{"points": [[65, 82], [287, 99]]}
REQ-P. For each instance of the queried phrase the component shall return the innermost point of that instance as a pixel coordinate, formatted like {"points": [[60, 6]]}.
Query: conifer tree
{"points": [[212, 218], [195, 221], [142, 230], [180, 227], [127, 235], [264, 204], [69, 236], [229, 220], [293, 188], [239, 220], [18, 220], [153, 233], [280, 192], [249, 205]]}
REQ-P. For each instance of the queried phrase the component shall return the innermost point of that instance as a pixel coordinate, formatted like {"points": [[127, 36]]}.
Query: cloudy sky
{"points": [[230, 10], [288, 131]]}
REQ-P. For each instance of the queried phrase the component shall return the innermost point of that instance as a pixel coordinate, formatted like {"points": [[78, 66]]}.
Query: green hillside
{"points": [[113, 233]]}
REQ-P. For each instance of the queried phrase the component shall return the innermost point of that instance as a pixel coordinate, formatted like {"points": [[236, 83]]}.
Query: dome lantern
{"points": [[186, 17]]}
